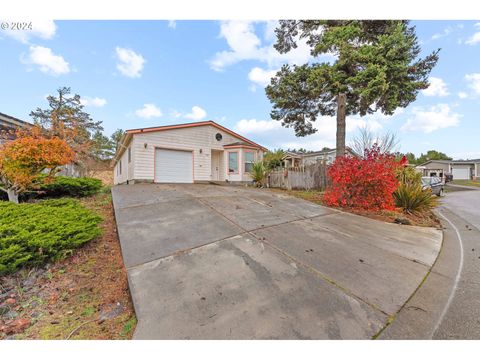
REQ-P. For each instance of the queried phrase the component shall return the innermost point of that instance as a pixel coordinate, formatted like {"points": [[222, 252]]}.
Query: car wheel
{"points": [[440, 193]]}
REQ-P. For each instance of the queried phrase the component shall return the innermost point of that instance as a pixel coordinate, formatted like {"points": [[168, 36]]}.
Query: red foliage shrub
{"points": [[363, 183]]}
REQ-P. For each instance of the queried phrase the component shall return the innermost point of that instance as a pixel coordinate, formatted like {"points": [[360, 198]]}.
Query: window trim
{"points": [[238, 163], [245, 160]]}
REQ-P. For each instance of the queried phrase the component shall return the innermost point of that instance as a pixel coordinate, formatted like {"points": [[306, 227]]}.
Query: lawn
{"points": [[466, 182], [79, 294]]}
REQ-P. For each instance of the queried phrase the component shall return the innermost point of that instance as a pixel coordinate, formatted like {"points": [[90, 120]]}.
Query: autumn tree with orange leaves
{"points": [[29, 160], [66, 119]]}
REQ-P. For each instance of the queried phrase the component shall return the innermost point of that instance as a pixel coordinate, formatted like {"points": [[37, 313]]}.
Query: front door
{"points": [[215, 165]]}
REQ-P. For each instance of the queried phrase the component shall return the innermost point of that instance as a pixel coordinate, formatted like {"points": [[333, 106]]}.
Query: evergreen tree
{"points": [[65, 119], [375, 69]]}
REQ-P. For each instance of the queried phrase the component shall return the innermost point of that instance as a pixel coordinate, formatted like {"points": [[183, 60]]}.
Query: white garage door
{"points": [[461, 174], [173, 166]]}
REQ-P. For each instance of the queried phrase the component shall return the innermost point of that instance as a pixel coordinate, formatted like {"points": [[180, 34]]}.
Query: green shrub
{"points": [[258, 173], [32, 234], [409, 195], [68, 186], [273, 159], [412, 198]]}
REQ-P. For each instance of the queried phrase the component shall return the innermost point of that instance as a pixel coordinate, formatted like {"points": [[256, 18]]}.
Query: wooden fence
{"points": [[300, 177]]}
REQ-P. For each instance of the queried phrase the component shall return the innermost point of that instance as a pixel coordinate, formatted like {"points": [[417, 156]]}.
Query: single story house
{"points": [[8, 126], [293, 159], [185, 153], [459, 169]]}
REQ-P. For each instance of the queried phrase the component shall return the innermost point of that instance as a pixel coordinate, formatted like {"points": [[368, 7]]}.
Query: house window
{"points": [[233, 162], [129, 155], [120, 167], [249, 158]]}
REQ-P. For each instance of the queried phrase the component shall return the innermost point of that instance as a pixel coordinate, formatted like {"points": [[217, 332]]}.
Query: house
{"points": [[293, 159], [437, 168], [465, 169], [459, 169], [8, 125], [185, 153]]}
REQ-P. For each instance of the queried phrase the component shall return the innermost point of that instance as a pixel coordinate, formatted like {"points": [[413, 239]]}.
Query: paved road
{"points": [[223, 262], [447, 305], [462, 317]]}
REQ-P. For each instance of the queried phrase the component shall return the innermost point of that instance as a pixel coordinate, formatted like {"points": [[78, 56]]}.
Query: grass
{"points": [[466, 182]]}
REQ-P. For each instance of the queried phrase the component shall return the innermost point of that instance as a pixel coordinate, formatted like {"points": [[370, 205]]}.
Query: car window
{"points": [[426, 180]]}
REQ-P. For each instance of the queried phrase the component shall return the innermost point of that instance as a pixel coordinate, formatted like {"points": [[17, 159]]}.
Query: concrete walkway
{"points": [[218, 262]]}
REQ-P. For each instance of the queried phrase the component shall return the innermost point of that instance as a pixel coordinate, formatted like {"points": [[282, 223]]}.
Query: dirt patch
{"points": [[105, 175], [85, 296], [426, 219]]}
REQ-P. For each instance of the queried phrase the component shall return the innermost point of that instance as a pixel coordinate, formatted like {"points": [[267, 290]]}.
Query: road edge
{"points": [[423, 312]]}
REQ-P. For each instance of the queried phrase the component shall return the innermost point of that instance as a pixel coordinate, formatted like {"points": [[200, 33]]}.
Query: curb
{"points": [[422, 313]]}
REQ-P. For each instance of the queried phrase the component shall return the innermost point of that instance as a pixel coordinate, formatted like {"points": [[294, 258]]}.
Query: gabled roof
{"points": [[131, 132], [453, 162], [468, 161], [10, 121]]}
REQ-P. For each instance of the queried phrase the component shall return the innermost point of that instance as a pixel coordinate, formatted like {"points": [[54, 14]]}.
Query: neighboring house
{"points": [[8, 126], [293, 159], [459, 169], [185, 153]]}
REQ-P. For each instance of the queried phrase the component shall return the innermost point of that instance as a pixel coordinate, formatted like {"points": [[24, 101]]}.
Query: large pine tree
{"points": [[376, 68], [66, 119]]}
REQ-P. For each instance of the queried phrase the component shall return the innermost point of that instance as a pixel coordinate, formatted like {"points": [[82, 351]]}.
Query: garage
{"points": [[461, 173], [173, 166]]}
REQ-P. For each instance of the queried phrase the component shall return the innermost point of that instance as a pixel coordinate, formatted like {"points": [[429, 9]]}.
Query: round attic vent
{"points": [[218, 136]]}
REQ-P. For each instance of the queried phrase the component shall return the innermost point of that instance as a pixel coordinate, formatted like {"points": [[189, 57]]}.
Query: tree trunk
{"points": [[341, 116], [12, 196]]}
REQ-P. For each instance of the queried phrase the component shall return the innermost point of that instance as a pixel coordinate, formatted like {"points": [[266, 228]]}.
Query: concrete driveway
{"points": [[224, 262]]}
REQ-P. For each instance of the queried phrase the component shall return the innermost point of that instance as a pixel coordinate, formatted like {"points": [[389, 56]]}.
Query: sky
{"points": [[133, 74]]}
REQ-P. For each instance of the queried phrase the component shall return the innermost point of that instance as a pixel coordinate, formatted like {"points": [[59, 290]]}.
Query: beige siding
{"points": [[121, 177], [438, 166], [193, 138]]}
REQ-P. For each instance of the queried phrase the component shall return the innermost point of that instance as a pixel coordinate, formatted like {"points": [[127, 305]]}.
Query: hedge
{"points": [[32, 234], [68, 186]]}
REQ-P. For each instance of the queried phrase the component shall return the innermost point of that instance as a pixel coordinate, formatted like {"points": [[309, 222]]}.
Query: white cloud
{"points": [[172, 24], [244, 44], [474, 39], [434, 118], [447, 31], [43, 29], [444, 33], [197, 113], [260, 76], [94, 102], [46, 60], [175, 114], [148, 111], [130, 63], [474, 82], [462, 95], [254, 126], [437, 87], [272, 134]]}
